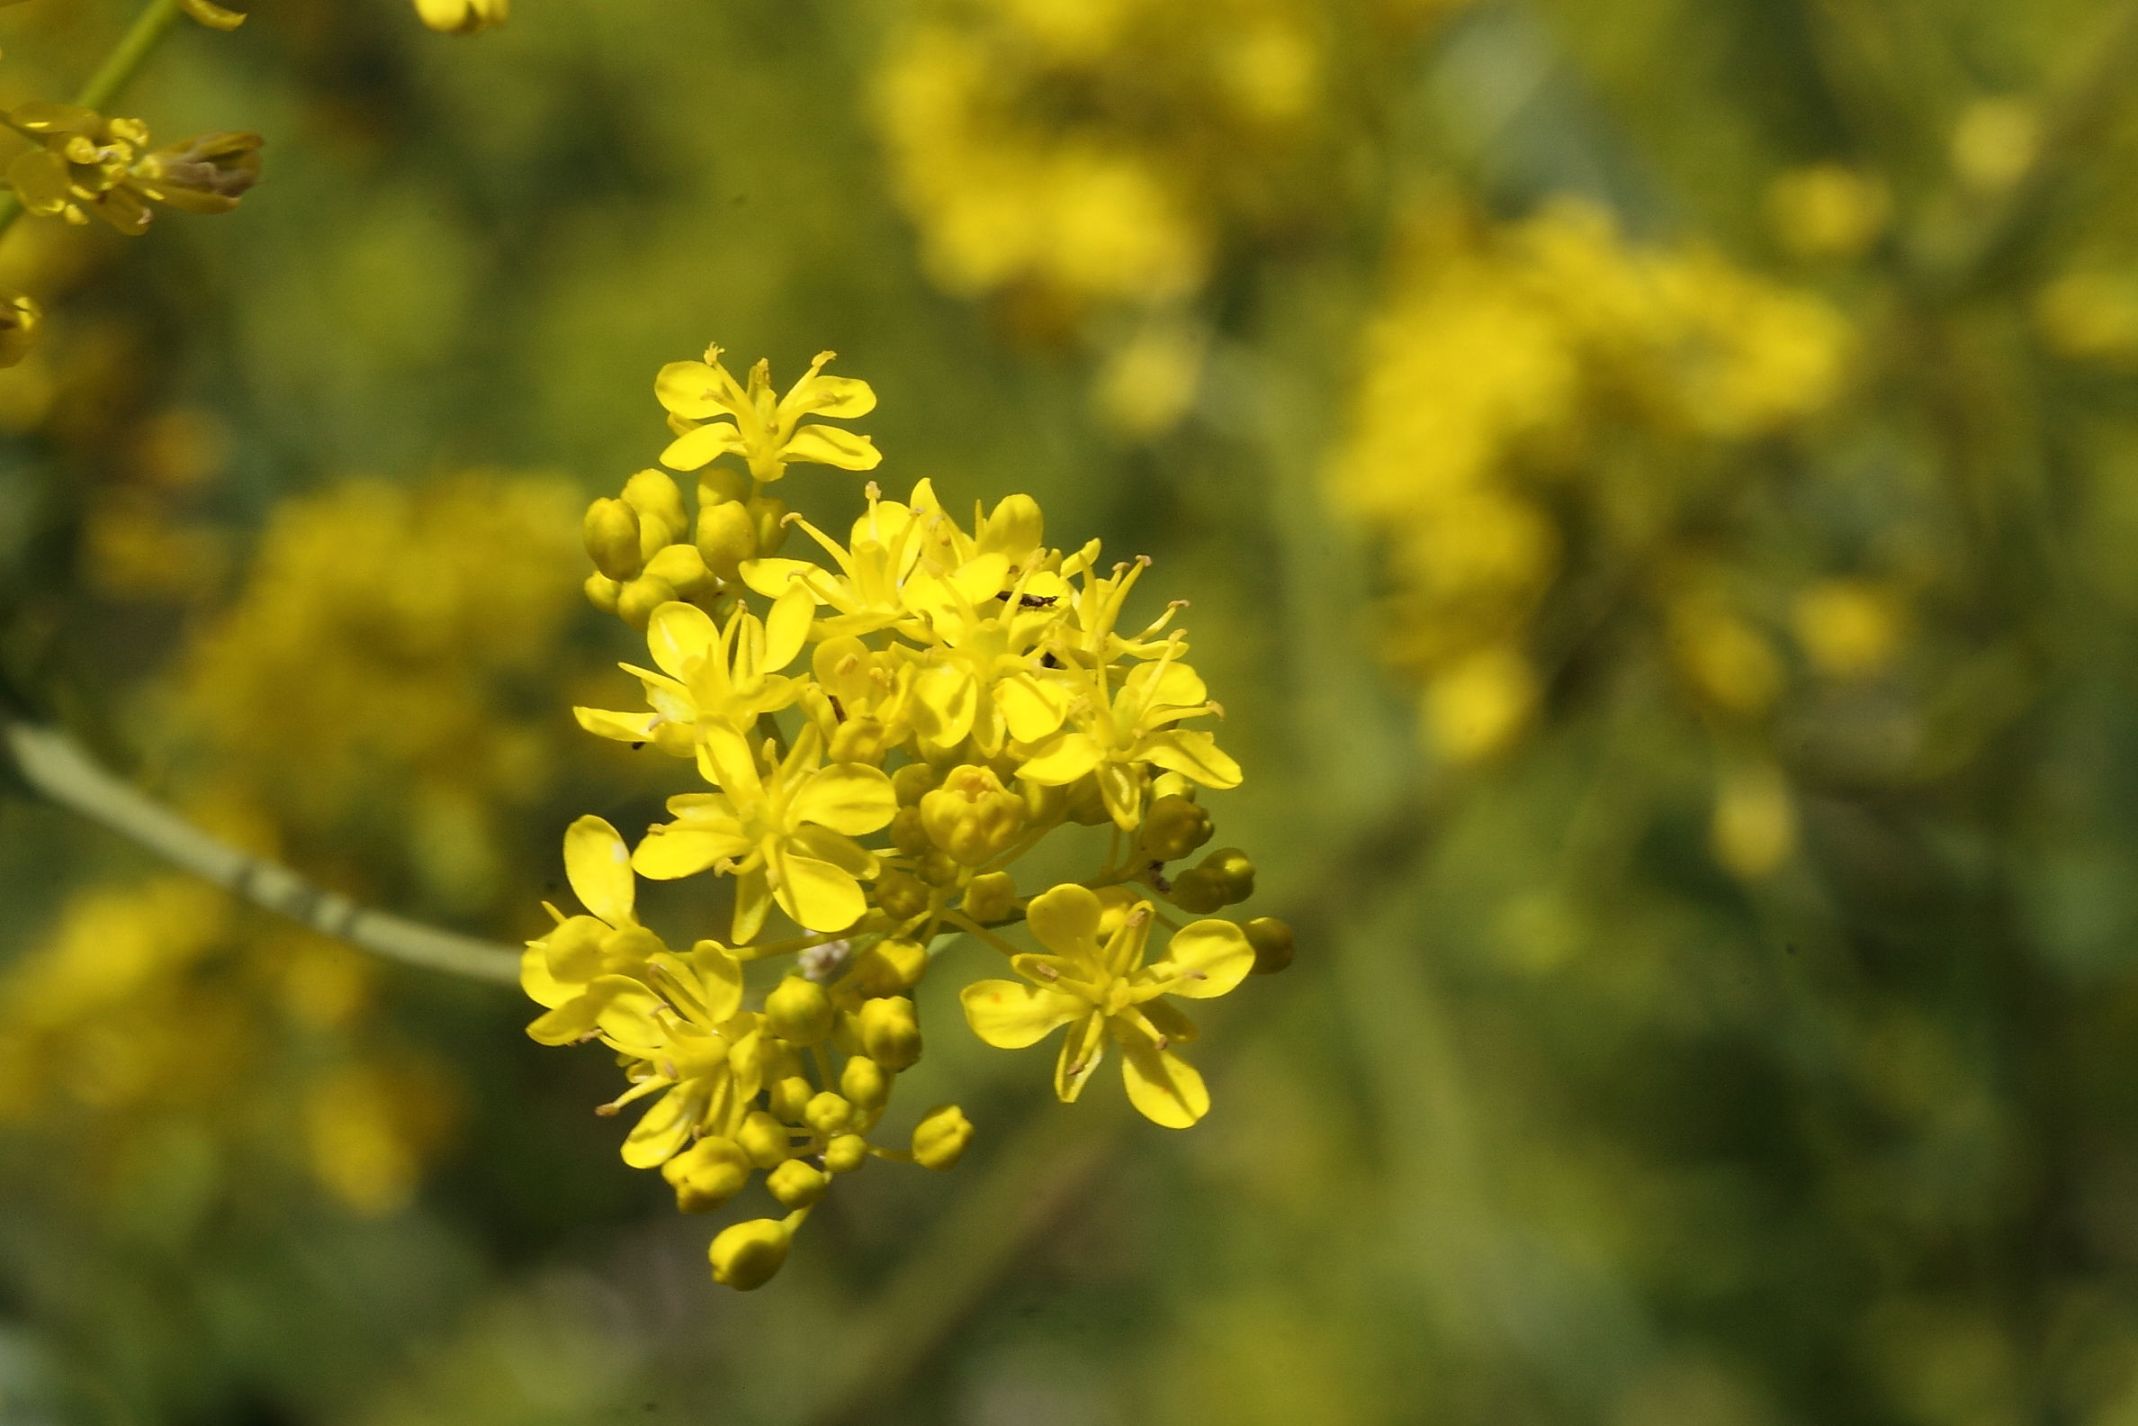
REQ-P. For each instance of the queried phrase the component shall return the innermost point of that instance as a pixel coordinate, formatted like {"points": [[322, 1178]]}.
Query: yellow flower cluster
{"points": [[882, 732], [158, 1003], [1082, 159], [373, 659], [1548, 383], [462, 17]]}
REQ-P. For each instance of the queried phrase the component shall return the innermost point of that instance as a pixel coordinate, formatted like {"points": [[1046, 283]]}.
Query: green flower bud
{"points": [[799, 1011], [990, 897], [972, 815], [914, 781], [902, 895], [940, 1138], [1272, 942], [1234, 872], [747, 1255], [891, 1032], [907, 833], [1200, 890], [797, 1184], [887, 968], [1172, 828]]}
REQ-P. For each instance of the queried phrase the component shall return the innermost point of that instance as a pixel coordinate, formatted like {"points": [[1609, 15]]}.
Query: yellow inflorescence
{"points": [[462, 17], [1550, 385], [882, 731]]}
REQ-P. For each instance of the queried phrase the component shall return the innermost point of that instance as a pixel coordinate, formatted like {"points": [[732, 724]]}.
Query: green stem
{"points": [[112, 76], [56, 768]]}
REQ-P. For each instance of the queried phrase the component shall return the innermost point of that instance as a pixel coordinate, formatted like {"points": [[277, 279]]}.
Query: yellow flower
{"points": [[987, 674], [709, 677], [560, 969], [713, 416], [1103, 990], [785, 832], [694, 1047], [875, 571], [462, 17], [20, 317], [1116, 739]]}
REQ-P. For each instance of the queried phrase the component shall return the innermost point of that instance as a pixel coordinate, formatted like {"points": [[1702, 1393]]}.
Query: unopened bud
{"points": [[763, 1138], [637, 600], [611, 531], [799, 1011], [939, 1140], [707, 1174], [796, 1184], [1172, 828], [991, 897], [1272, 942], [891, 1032], [845, 1153], [655, 496], [726, 537], [747, 1255], [863, 1083]]}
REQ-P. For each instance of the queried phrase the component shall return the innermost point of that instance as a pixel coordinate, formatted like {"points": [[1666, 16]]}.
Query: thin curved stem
{"points": [[56, 768], [112, 76]]}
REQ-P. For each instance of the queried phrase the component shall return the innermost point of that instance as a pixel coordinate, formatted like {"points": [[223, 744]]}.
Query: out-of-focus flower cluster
{"points": [[882, 732], [367, 706], [1090, 165]]}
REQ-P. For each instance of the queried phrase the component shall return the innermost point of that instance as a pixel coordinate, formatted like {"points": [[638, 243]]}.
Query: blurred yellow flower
{"points": [[462, 17]]}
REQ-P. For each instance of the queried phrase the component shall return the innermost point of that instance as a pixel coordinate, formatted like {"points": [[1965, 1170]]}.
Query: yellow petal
{"points": [[828, 445], [1066, 921], [701, 447], [661, 1132], [945, 701], [573, 1020], [1121, 787], [622, 727], [1061, 760], [818, 895], [627, 1015], [718, 975], [1204, 960], [753, 902], [689, 389], [846, 797], [599, 869], [840, 397], [1164, 1087], [1082, 1049], [1010, 1015], [678, 636], [774, 577], [679, 849], [787, 626], [1193, 755], [1032, 706], [541, 986]]}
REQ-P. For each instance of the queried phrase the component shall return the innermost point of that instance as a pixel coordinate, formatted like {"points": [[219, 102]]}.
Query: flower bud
{"points": [[1086, 805], [788, 1098], [907, 833], [763, 1138], [746, 1255], [1172, 828], [797, 1184], [611, 531], [827, 1112], [940, 1138], [1235, 873], [636, 601], [901, 895], [681, 566], [707, 1174], [1199, 890], [726, 538], [799, 1011], [863, 1083], [888, 967], [991, 897], [891, 1032], [655, 496], [601, 592], [914, 781], [845, 1153], [972, 815], [1272, 942]]}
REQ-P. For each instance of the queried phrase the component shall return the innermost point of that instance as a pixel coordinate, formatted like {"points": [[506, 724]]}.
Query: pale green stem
{"points": [[112, 76], [55, 767]]}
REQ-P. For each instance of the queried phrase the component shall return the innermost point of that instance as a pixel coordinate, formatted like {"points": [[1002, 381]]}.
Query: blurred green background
{"points": [[1654, 485]]}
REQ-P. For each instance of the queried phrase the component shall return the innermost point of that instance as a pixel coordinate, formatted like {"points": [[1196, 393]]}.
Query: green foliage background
{"points": [[1555, 1120]]}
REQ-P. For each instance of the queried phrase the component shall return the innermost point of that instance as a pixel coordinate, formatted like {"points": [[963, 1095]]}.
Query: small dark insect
{"points": [[838, 710], [636, 746], [1038, 601], [1048, 660]]}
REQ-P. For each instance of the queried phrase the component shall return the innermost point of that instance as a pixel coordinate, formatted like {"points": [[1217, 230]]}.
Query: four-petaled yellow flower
{"points": [[693, 1045], [785, 832], [712, 416], [1099, 986], [558, 970], [1116, 739]]}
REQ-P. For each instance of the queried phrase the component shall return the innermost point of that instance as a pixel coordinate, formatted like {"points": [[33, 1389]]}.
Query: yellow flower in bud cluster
{"points": [[873, 738], [86, 163], [462, 17]]}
